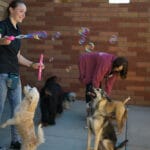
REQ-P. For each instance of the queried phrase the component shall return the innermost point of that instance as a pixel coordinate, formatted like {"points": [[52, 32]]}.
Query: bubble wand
{"points": [[40, 68], [36, 35]]}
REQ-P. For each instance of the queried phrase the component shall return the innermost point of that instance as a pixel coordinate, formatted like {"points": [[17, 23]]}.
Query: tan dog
{"points": [[101, 110], [109, 138], [119, 110], [23, 119]]}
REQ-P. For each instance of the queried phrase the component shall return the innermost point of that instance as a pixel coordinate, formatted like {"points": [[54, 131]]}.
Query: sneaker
{"points": [[15, 145]]}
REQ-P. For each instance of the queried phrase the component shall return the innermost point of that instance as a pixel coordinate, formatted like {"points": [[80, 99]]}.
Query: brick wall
{"points": [[130, 22]]}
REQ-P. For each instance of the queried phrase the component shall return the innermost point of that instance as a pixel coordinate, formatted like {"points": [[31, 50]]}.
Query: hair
{"points": [[14, 4], [121, 61]]}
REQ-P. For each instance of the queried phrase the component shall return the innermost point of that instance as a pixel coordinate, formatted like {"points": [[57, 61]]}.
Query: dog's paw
{"points": [[3, 126]]}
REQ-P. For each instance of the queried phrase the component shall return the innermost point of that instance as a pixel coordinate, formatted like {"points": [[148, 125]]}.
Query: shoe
{"points": [[15, 145]]}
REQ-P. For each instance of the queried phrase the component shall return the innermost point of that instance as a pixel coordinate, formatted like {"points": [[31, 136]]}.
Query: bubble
{"points": [[89, 47], [56, 36], [68, 69], [113, 39], [51, 59], [82, 41], [80, 31], [83, 32]]}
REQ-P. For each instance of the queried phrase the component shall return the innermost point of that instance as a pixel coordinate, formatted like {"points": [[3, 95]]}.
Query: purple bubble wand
{"points": [[36, 35]]}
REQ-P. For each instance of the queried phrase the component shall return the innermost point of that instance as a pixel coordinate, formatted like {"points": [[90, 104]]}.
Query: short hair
{"points": [[121, 61]]}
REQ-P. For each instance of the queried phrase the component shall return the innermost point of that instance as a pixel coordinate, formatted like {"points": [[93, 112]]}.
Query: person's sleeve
{"points": [[98, 75], [109, 84], [2, 29]]}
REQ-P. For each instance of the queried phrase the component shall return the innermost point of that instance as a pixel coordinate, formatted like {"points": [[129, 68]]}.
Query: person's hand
{"points": [[5, 41], [37, 65]]}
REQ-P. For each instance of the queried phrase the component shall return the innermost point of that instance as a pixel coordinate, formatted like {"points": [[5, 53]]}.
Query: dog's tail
{"points": [[122, 144], [40, 135], [126, 100]]}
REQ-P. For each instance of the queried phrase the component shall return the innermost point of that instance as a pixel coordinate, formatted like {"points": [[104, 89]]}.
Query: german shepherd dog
{"points": [[99, 120]]}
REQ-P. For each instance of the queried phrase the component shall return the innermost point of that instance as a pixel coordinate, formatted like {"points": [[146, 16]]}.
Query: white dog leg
{"points": [[97, 139], [89, 139], [8, 122]]}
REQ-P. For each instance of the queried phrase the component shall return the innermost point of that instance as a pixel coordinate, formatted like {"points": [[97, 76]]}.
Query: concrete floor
{"points": [[70, 133]]}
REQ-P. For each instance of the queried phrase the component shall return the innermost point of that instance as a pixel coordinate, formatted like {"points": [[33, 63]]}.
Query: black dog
{"points": [[51, 99]]}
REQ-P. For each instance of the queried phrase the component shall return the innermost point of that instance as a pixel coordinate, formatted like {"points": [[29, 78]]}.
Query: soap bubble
{"points": [[83, 32], [89, 47], [51, 59], [82, 40], [56, 36], [113, 39], [68, 69]]}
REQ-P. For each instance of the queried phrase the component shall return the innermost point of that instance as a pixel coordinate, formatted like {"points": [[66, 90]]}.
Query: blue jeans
{"points": [[14, 97]]}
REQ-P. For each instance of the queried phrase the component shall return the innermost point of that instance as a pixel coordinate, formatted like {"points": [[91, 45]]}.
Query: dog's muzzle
{"points": [[92, 94]]}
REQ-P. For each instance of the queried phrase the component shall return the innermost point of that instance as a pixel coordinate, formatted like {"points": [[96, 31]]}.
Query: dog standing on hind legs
{"points": [[23, 119]]}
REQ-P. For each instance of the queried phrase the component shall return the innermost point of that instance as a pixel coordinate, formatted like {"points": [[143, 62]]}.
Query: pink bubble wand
{"points": [[40, 68]]}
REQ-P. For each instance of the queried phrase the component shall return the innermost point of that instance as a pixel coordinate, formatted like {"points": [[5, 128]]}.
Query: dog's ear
{"points": [[26, 89], [103, 93]]}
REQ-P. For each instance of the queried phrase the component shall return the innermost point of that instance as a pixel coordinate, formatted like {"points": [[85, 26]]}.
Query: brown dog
{"points": [[23, 119], [109, 138], [118, 109], [101, 110]]}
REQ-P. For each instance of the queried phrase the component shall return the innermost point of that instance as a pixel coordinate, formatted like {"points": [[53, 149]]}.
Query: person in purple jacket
{"points": [[96, 67]]}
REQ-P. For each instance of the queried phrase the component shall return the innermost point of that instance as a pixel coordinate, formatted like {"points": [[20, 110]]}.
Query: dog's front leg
{"points": [[97, 139], [89, 134], [8, 122], [89, 139]]}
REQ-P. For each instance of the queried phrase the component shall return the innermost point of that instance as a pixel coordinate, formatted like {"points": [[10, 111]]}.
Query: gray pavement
{"points": [[70, 133]]}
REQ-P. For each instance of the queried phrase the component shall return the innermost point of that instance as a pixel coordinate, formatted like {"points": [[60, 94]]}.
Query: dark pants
{"points": [[88, 89]]}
